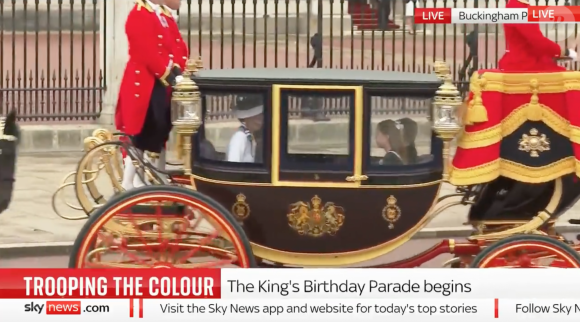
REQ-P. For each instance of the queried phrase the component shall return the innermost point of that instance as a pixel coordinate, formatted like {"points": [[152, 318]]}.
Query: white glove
{"points": [[572, 54], [178, 79]]}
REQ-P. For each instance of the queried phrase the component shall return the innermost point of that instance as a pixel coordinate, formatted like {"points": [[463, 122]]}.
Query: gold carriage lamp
{"points": [[445, 107], [186, 113]]}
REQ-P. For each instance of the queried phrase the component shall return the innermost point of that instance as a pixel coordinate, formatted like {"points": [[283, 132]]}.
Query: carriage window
{"points": [[400, 131], [318, 126], [233, 128]]}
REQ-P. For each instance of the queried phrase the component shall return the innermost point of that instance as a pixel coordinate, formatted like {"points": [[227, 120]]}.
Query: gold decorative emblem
{"points": [[534, 143], [391, 212], [241, 209], [314, 219]]}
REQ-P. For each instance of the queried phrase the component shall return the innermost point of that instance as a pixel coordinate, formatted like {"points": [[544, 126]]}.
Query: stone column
{"points": [[114, 52]]}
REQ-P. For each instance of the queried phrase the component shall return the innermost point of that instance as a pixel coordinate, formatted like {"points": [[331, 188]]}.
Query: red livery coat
{"points": [[180, 50], [527, 49], [150, 57]]}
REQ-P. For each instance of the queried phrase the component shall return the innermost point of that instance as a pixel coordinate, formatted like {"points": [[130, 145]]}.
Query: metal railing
{"points": [[51, 66]]}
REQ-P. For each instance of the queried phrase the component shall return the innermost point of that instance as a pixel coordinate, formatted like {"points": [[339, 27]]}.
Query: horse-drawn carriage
{"points": [[347, 189]]}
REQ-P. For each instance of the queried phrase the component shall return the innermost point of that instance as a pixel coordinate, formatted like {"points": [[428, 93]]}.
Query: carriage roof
{"points": [[395, 83]]}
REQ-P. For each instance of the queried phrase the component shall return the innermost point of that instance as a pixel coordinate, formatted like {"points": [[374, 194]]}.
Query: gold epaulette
{"points": [[143, 4], [166, 11]]}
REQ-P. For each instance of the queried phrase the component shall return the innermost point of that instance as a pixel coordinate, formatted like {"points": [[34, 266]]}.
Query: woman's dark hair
{"points": [[410, 131], [390, 129]]}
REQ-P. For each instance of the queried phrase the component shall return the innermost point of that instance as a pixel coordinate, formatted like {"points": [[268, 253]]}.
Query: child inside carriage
{"points": [[397, 138], [389, 137]]}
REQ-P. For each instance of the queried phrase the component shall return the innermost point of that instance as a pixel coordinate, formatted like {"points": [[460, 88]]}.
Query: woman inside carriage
{"points": [[389, 137], [243, 145]]}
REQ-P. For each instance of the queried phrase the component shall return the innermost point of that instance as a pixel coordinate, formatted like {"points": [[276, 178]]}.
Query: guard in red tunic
{"points": [[144, 105], [527, 49]]}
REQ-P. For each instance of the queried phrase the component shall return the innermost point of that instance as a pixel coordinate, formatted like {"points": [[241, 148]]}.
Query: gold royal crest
{"points": [[534, 143], [391, 212], [314, 219], [240, 208]]}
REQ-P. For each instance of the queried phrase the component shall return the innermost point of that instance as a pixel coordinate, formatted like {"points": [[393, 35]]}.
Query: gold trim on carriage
{"points": [[342, 207]]}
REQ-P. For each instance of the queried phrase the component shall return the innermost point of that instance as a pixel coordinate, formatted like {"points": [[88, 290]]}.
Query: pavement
{"points": [[30, 227]]}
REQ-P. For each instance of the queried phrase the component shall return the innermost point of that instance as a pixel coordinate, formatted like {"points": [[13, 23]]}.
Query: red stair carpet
{"points": [[364, 17]]}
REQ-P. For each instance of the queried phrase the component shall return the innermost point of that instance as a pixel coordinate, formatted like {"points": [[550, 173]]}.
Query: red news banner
{"points": [[534, 14], [276, 295], [105, 283]]}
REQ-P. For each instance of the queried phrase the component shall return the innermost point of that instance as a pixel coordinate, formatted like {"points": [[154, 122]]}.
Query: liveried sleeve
{"points": [[180, 50], [144, 43], [537, 41]]}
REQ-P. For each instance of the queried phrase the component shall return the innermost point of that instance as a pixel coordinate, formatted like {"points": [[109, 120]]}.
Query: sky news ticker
{"points": [[284, 295]]}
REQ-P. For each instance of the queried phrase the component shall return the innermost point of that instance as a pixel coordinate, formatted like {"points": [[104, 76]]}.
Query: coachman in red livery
{"points": [[157, 56]]}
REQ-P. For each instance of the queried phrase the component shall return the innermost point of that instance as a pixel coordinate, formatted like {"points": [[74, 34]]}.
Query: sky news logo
{"points": [[55, 307]]}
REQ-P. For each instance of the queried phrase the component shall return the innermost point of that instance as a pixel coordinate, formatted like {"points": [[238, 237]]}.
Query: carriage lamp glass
{"points": [[186, 114], [446, 123], [186, 111], [447, 101], [445, 118], [186, 101]]}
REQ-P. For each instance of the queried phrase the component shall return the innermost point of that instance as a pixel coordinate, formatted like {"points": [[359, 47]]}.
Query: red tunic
{"points": [[150, 57], [180, 51], [527, 49]]}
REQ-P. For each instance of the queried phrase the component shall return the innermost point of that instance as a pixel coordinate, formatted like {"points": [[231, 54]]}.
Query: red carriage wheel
{"points": [[527, 251], [154, 227]]}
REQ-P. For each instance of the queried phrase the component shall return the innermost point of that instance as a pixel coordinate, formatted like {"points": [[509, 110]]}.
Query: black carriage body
{"points": [[306, 208]]}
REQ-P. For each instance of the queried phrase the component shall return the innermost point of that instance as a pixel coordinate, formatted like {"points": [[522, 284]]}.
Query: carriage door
{"points": [[399, 147], [316, 135]]}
